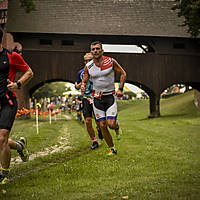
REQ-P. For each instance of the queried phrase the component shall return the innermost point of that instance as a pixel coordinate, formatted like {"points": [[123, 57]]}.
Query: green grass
{"points": [[157, 158]]}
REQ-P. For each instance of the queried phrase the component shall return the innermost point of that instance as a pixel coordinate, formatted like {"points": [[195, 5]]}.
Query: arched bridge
{"points": [[54, 43]]}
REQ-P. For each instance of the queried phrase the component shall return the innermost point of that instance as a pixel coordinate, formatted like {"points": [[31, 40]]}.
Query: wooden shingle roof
{"points": [[98, 17]]}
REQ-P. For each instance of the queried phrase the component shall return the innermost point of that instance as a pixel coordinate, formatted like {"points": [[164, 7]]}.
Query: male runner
{"points": [[10, 63], [87, 104], [101, 69]]}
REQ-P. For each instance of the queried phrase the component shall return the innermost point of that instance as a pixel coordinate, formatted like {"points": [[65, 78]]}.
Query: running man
{"points": [[10, 63], [87, 104], [101, 69]]}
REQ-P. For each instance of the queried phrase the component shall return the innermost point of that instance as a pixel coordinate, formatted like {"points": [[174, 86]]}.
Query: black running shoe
{"points": [[94, 145], [24, 154], [100, 133]]}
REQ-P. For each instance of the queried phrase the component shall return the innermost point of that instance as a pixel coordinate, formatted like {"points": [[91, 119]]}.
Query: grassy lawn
{"points": [[157, 158]]}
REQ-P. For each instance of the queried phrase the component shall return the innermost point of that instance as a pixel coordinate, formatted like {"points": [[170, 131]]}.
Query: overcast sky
{"points": [[122, 48]]}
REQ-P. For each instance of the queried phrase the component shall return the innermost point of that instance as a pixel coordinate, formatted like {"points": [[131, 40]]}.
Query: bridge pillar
{"points": [[154, 105]]}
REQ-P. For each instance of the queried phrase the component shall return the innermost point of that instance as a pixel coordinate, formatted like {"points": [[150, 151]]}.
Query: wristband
{"points": [[19, 85], [121, 89]]}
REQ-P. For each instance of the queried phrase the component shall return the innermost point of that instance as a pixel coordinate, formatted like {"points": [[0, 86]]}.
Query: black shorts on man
{"points": [[7, 113], [87, 108]]}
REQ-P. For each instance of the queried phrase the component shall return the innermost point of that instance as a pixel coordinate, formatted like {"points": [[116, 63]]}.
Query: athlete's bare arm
{"points": [[118, 69], [78, 86], [28, 74], [85, 79]]}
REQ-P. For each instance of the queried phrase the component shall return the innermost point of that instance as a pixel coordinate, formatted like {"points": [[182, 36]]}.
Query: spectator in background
{"points": [[51, 106]]}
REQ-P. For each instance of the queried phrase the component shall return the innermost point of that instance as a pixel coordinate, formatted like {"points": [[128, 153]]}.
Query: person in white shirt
{"points": [[101, 70]]}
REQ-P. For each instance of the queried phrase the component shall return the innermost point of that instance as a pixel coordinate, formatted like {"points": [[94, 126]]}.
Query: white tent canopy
{"points": [[72, 92]]}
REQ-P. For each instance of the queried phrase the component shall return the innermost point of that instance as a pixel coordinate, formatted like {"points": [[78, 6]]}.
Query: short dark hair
{"points": [[96, 42], [1, 35]]}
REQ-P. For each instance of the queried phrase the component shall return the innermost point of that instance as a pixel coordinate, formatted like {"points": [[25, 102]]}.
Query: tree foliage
{"points": [[28, 5], [190, 10], [50, 90]]}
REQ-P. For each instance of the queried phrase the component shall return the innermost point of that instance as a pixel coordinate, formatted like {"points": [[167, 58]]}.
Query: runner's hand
{"points": [[12, 86], [119, 93]]}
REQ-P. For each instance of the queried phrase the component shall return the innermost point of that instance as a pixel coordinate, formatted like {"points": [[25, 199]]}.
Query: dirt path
{"points": [[62, 145]]}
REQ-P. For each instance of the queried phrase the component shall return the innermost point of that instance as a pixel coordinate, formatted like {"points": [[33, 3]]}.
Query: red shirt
{"points": [[16, 63]]}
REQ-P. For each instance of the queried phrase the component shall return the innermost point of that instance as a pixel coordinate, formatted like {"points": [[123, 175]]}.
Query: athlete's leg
{"points": [[21, 147], [106, 133], [87, 113], [5, 154], [79, 117], [100, 108], [99, 130], [113, 124], [108, 138], [12, 144], [111, 112], [90, 130], [7, 117], [112, 116]]}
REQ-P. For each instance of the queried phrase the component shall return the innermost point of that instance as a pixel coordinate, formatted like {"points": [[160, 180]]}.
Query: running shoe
{"points": [[94, 145], [118, 133], [24, 154], [112, 152], [3, 179], [100, 133]]}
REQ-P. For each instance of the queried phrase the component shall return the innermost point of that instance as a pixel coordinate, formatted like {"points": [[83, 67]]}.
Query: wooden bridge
{"points": [[58, 34]]}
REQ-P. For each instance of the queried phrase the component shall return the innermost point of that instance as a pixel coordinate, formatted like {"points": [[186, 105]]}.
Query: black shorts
{"points": [[105, 108], [7, 113], [87, 108]]}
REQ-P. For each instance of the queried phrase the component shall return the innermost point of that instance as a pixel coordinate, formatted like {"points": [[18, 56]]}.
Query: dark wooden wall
{"points": [[153, 71]]}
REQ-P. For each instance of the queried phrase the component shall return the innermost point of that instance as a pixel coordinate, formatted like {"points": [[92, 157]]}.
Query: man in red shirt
{"points": [[10, 63]]}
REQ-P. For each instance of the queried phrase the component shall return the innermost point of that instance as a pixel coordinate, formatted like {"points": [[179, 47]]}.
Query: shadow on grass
{"points": [[168, 116], [173, 115]]}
